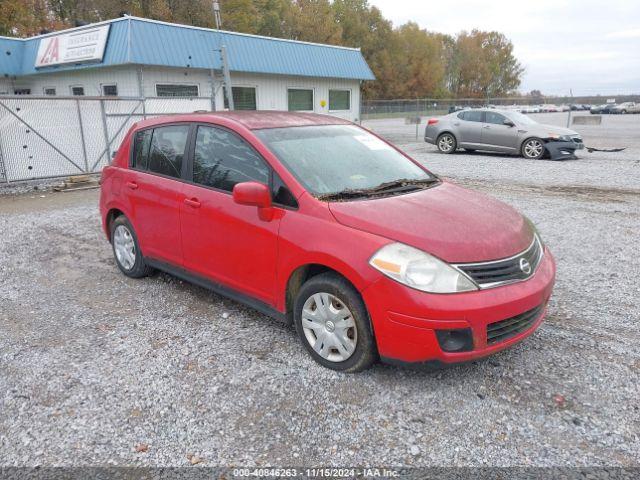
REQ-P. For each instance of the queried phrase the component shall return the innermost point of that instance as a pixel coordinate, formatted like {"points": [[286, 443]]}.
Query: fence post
{"points": [[84, 145], [105, 129]]}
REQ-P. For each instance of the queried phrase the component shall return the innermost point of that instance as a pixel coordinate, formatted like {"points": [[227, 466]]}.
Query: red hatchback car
{"points": [[318, 222]]}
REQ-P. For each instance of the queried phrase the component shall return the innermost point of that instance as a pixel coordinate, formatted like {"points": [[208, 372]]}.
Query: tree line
{"points": [[408, 61]]}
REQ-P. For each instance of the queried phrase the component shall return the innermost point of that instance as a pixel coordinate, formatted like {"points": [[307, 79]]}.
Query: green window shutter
{"points": [[300, 100], [339, 100], [244, 98]]}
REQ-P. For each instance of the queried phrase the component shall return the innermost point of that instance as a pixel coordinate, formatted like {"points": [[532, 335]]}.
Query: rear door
{"points": [[497, 135], [153, 185], [222, 240], [469, 127]]}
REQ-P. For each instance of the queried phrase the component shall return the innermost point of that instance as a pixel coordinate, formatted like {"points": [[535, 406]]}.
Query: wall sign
{"points": [[74, 47]]}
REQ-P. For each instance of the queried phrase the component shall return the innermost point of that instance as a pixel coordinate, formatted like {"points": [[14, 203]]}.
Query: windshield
{"points": [[521, 119], [329, 159]]}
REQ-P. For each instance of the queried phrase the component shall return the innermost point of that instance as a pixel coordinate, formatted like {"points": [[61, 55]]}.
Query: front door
{"points": [[497, 135], [222, 240]]}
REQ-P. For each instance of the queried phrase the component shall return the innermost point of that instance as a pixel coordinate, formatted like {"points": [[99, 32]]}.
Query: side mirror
{"points": [[509, 123], [254, 194]]}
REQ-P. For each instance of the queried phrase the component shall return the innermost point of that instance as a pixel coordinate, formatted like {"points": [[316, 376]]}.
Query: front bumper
{"points": [[405, 320], [562, 150]]}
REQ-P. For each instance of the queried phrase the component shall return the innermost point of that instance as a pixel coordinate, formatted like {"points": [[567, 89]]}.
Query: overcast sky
{"points": [[591, 46]]}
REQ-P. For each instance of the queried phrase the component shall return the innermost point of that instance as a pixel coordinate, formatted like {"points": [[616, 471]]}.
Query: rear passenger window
{"points": [[222, 159], [472, 116], [141, 144], [168, 146]]}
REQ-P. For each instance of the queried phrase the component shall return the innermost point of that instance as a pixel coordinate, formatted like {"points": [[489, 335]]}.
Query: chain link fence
{"points": [[372, 109], [47, 137]]}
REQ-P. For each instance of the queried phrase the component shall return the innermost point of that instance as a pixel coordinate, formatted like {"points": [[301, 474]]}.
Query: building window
{"points": [[244, 98], [77, 91], [51, 91], [339, 100], [300, 100], [110, 90], [176, 90], [22, 91]]}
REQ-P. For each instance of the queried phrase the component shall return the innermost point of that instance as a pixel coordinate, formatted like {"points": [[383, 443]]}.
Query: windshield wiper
{"points": [[400, 185]]}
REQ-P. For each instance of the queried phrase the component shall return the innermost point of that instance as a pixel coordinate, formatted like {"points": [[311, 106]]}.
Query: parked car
{"points": [[623, 108], [501, 131], [320, 223], [548, 108], [605, 109]]}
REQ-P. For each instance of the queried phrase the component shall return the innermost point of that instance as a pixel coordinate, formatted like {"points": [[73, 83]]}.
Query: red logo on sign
{"points": [[50, 55]]}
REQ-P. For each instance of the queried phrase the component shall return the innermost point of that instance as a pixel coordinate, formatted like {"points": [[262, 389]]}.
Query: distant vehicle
{"points": [[549, 107], [634, 109], [625, 107], [605, 108], [455, 108], [501, 131], [564, 108]]}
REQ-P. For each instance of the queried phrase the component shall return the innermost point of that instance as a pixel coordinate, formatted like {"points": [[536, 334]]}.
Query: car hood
{"points": [[450, 222], [543, 131]]}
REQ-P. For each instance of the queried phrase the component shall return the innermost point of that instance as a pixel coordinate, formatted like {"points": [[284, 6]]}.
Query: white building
{"points": [[136, 57]]}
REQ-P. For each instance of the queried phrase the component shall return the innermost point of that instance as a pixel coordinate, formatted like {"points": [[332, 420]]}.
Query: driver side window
{"points": [[495, 118], [222, 159]]}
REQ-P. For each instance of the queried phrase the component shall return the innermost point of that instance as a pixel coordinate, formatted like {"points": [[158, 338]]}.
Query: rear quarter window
{"points": [[141, 143]]}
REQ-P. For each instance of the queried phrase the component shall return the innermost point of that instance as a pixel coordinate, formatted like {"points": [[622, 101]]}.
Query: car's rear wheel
{"points": [[126, 250], [447, 143], [533, 149], [333, 324]]}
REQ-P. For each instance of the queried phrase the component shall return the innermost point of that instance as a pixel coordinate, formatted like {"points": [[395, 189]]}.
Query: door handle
{"points": [[132, 185], [192, 202], [487, 126]]}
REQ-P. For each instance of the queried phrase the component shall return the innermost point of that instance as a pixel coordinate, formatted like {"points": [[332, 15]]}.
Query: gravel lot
{"points": [[98, 369]]}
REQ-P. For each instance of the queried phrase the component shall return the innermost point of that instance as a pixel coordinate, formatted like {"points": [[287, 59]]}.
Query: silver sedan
{"points": [[501, 131]]}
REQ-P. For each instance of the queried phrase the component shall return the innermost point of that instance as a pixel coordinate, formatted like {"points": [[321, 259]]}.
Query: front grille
{"points": [[508, 270], [505, 329]]}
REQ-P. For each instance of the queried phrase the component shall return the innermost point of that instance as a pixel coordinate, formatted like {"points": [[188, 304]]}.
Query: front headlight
{"points": [[417, 269]]}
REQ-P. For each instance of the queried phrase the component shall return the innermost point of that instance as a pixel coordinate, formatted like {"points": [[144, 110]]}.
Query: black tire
{"points": [[139, 268], [529, 146], [365, 352], [447, 143]]}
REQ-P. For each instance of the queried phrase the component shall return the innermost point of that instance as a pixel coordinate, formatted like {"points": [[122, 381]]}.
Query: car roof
{"points": [[253, 120]]}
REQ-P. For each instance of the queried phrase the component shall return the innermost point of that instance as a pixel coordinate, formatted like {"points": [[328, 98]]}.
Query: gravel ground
{"points": [[99, 369]]}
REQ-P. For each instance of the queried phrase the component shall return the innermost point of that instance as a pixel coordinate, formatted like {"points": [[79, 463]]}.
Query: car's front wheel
{"points": [[533, 149], [126, 250], [447, 143], [333, 324]]}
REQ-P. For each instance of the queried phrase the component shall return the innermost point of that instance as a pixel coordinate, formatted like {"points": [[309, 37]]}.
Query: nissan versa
{"points": [[320, 223]]}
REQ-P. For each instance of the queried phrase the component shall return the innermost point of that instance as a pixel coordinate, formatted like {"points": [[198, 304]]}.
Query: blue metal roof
{"points": [[140, 41], [11, 51]]}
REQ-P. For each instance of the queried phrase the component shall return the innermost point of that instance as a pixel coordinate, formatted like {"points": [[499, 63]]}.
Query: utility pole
{"points": [[223, 57], [216, 14], [571, 103]]}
